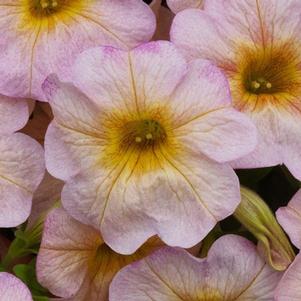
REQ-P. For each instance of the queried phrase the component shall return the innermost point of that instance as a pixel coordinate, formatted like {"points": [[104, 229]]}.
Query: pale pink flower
{"points": [[13, 289], [43, 36], [144, 151], [233, 270], [257, 44], [75, 264], [179, 5]]}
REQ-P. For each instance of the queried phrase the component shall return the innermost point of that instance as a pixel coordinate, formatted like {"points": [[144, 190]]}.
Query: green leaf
{"points": [[40, 298], [26, 272]]}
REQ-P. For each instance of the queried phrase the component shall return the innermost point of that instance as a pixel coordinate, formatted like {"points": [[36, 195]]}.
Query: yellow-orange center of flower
{"points": [[270, 71], [143, 140], [266, 75]]}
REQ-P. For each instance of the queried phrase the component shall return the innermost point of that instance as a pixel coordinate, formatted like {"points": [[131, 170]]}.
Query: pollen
{"points": [[146, 133], [271, 71], [45, 9]]}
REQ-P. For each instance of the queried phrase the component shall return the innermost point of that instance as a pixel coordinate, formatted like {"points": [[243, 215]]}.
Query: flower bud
{"points": [[257, 217]]}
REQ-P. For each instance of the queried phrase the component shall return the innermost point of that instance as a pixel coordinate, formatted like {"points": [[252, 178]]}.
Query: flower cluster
{"points": [[149, 151]]}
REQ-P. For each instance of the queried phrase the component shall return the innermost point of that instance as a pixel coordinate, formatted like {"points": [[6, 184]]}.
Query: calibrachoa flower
{"points": [[11, 288], [74, 262], [145, 153], [179, 5], [257, 44], [43, 36], [232, 271]]}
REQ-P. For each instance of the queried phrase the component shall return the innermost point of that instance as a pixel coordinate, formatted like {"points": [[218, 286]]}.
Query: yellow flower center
{"points": [[270, 75], [140, 139], [269, 71]]}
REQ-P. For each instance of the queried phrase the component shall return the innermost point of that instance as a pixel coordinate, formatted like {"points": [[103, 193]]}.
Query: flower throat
{"points": [[143, 134]]}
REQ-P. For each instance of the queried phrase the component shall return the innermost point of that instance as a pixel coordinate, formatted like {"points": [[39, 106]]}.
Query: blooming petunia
{"points": [[73, 261], [256, 43], [143, 142], [233, 270], [43, 36], [11, 288], [179, 5]]}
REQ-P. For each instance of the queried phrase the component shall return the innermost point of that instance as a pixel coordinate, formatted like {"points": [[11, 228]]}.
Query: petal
{"points": [[222, 135], [290, 141], [257, 21], [206, 122], [179, 5], [289, 287], [186, 32], [289, 218], [278, 140], [173, 274], [14, 114], [121, 23], [21, 171], [203, 88], [73, 136], [268, 151], [66, 248], [11, 288], [147, 74]]}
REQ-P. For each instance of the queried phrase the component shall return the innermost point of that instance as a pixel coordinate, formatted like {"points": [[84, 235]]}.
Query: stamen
{"points": [[44, 3], [149, 136], [268, 85], [138, 139], [255, 85]]}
